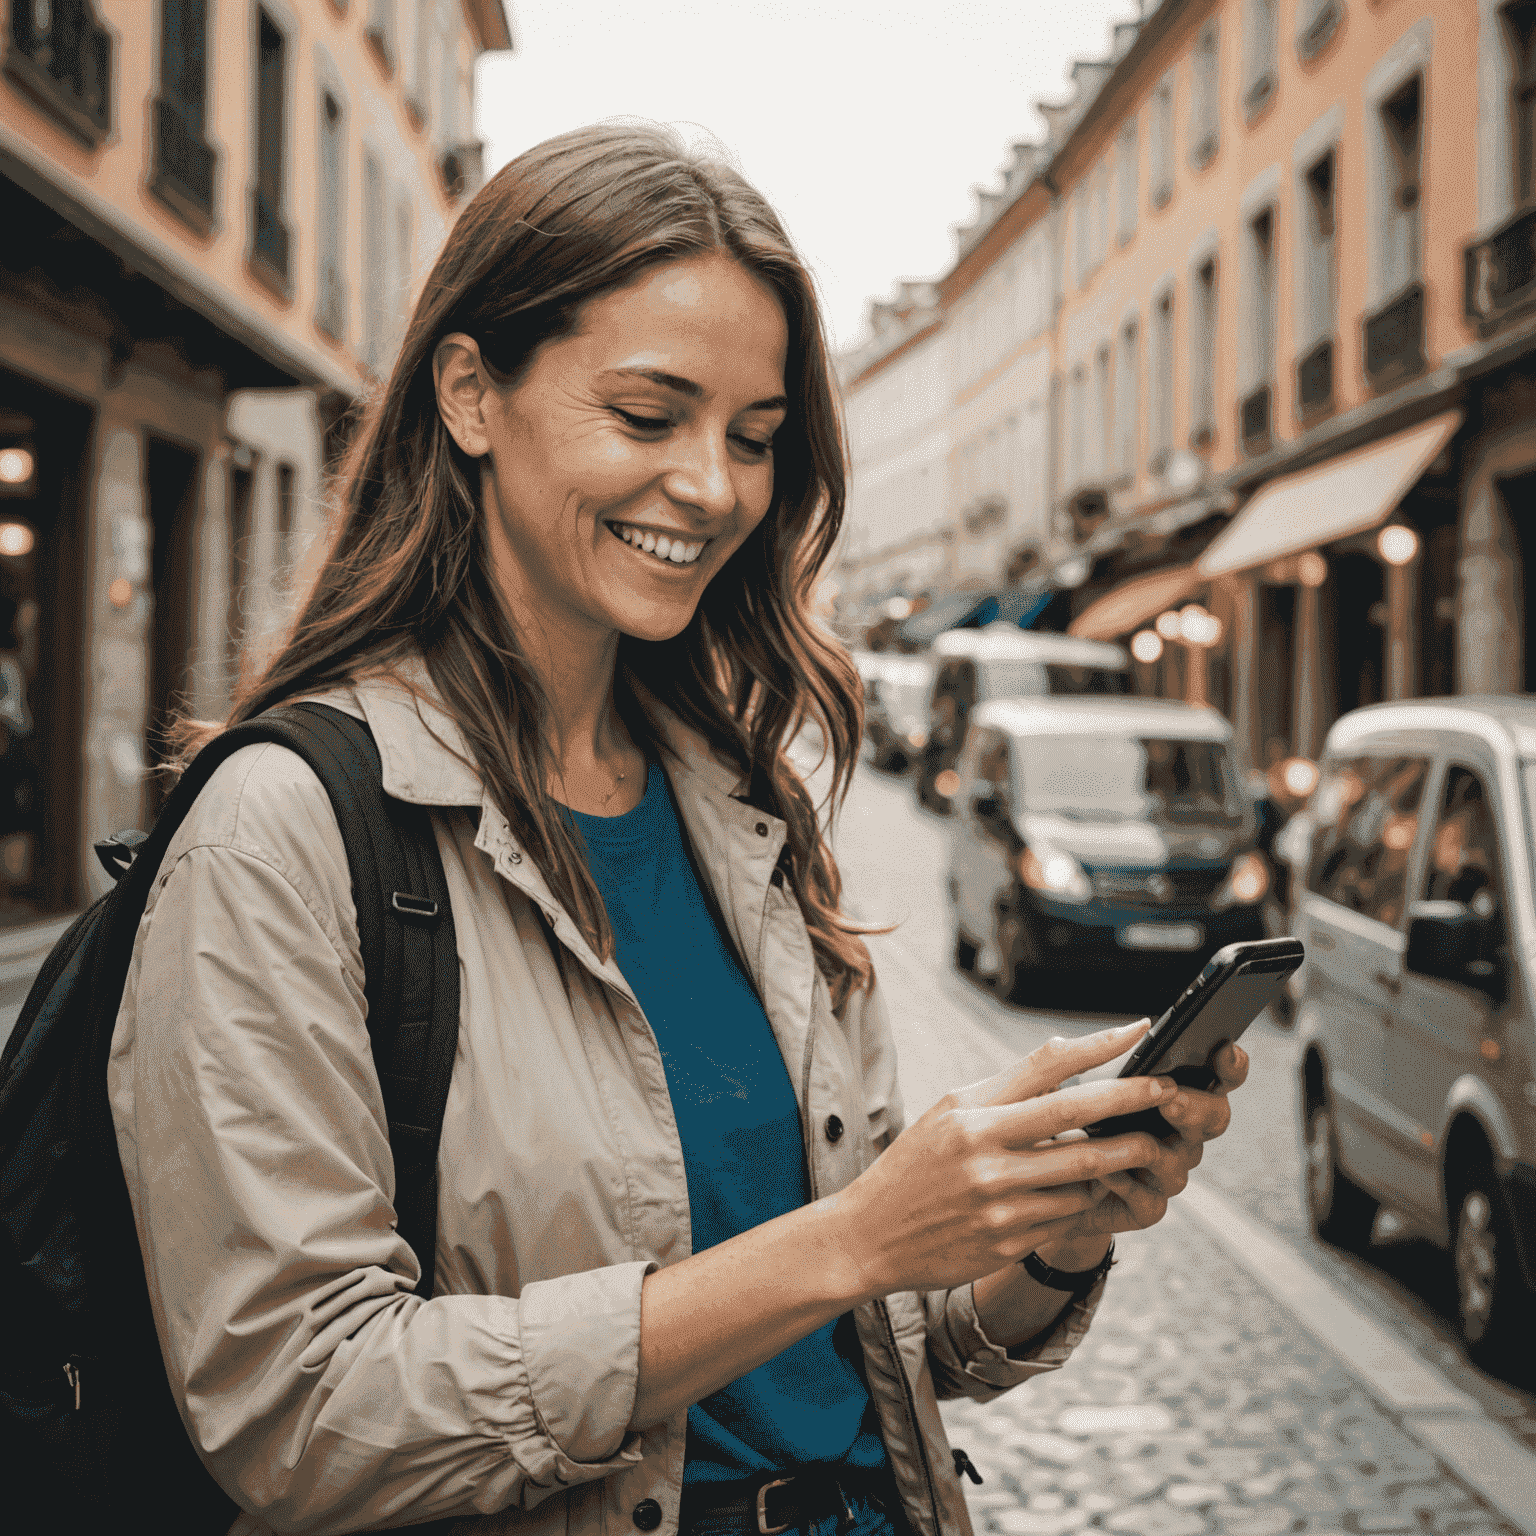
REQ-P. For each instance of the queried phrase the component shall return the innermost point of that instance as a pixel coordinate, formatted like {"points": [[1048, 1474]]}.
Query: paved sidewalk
{"points": [[1197, 1404]]}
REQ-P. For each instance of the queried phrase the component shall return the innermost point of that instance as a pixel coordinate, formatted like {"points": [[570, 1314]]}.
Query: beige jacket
{"points": [[323, 1394]]}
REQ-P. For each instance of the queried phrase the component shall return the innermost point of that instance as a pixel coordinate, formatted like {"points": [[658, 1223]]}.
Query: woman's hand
{"points": [[978, 1181], [1137, 1200]]}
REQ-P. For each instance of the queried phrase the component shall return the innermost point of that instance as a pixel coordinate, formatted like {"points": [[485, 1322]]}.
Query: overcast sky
{"points": [[865, 123]]}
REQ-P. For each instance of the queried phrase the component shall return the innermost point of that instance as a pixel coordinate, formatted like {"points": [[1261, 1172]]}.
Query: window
{"points": [[1204, 100], [183, 162], [332, 311], [1319, 288], [241, 485], [1259, 77], [269, 234], [1464, 851], [1161, 383], [1316, 22], [287, 509], [1127, 182], [1098, 442], [1202, 356], [1520, 35], [1161, 148], [1260, 324], [1100, 215], [1367, 811], [381, 29], [62, 57], [1082, 236], [1126, 403], [1401, 123], [375, 264]]}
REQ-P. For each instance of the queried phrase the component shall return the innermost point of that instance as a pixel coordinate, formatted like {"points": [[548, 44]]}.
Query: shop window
{"points": [[61, 55], [1437, 612], [184, 162], [269, 231]]}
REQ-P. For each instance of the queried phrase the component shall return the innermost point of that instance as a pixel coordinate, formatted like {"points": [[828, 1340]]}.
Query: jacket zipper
{"points": [[910, 1402]]}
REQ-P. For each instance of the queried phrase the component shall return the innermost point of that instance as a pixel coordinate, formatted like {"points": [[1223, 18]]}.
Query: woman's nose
{"points": [[702, 475]]}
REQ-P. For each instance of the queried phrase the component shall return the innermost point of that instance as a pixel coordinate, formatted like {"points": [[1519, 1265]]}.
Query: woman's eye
{"points": [[758, 450], [642, 423]]}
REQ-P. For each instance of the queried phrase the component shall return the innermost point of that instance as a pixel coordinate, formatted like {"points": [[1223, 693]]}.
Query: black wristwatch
{"points": [[1078, 1281]]}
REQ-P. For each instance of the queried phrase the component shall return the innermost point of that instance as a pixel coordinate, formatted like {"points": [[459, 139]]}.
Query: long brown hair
{"points": [[407, 569]]}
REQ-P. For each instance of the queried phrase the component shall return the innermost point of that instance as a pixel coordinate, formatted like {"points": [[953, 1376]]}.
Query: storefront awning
{"points": [[1334, 500], [1133, 602]]}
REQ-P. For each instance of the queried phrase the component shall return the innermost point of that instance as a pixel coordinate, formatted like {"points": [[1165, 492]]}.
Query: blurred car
{"points": [[896, 692], [1416, 1019], [974, 666], [1111, 833]]}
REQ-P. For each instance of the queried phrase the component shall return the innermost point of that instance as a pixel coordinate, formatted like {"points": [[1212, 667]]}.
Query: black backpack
{"points": [[89, 1431]]}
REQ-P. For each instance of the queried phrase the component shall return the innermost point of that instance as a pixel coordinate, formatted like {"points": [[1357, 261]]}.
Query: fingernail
{"points": [[1159, 1088]]}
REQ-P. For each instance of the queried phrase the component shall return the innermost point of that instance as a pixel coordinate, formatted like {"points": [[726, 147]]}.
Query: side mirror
{"points": [[1448, 940]]}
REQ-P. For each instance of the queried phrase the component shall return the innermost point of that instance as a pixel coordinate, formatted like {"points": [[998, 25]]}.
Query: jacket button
{"points": [[834, 1128], [762, 829], [647, 1515]]}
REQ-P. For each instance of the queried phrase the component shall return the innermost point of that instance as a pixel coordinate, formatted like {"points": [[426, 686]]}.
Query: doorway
{"points": [[1359, 630], [45, 454], [1519, 493]]}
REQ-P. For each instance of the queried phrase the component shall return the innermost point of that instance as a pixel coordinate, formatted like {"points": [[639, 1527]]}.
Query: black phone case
{"points": [[1276, 958]]}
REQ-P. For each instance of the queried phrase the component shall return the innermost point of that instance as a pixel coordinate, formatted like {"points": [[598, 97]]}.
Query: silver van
{"points": [[1417, 1011]]}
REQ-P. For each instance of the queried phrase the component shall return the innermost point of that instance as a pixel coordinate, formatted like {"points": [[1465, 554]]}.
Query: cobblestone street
{"points": [[1198, 1403]]}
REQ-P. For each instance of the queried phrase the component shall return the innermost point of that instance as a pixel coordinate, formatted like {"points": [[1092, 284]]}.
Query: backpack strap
{"points": [[405, 933]]}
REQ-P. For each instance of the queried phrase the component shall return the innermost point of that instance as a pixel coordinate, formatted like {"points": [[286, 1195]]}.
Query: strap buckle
{"points": [[763, 1528]]}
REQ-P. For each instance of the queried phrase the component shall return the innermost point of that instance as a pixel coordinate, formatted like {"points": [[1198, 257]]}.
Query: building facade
{"points": [[1292, 305], [216, 211]]}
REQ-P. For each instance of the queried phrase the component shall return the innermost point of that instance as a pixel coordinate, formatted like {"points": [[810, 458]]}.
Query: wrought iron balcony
{"points": [[269, 240], [1254, 420], [62, 56], [1394, 338], [183, 164], [1314, 380], [1501, 273]]}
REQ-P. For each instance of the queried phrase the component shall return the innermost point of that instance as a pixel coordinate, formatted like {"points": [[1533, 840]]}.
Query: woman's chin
{"points": [[654, 621]]}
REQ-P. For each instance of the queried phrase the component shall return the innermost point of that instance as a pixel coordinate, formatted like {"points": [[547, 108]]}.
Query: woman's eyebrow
{"points": [[682, 386]]}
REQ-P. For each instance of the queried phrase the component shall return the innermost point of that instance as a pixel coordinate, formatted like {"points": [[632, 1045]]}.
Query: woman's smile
{"points": [[659, 547]]}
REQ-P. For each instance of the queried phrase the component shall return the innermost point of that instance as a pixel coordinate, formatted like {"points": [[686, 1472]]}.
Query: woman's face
{"points": [[634, 455]]}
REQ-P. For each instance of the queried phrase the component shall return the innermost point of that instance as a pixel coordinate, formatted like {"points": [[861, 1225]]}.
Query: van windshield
{"points": [[1119, 778]]}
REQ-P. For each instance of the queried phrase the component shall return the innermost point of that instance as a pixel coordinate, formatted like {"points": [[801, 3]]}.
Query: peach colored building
{"points": [[1285, 260], [215, 212]]}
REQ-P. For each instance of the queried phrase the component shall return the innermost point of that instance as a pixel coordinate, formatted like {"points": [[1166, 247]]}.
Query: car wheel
{"points": [[965, 953], [1341, 1212], [1492, 1301], [1017, 959]]}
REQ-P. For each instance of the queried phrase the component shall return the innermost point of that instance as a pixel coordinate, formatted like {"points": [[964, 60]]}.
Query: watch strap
{"points": [[1076, 1281]]}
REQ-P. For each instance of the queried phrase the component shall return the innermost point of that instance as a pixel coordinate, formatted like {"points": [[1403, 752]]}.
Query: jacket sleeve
{"points": [[963, 1360], [321, 1392]]}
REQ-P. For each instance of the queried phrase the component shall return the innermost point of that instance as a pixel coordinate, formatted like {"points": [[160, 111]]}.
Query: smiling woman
{"points": [[691, 1273]]}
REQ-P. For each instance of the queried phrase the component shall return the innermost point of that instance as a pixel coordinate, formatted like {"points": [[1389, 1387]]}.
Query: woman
{"points": [[569, 595]]}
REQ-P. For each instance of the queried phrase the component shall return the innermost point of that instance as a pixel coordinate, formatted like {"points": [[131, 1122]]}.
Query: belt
{"points": [[780, 1501]]}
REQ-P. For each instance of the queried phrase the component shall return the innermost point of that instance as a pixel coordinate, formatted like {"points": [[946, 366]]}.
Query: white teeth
{"points": [[663, 546]]}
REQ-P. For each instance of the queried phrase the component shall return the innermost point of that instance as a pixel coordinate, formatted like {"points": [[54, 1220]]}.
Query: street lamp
{"points": [[1197, 627], [1146, 646], [1167, 625], [1312, 569], [1396, 544]]}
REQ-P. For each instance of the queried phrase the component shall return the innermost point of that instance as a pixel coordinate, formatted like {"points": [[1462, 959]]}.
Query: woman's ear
{"points": [[463, 386]]}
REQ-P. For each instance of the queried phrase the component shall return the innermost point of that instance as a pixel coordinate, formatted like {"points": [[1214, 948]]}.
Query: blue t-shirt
{"points": [[740, 1129]]}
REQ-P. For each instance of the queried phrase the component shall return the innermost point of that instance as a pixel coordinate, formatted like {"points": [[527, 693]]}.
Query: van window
{"points": [[1464, 851], [1367, 812], [1118, 778]]}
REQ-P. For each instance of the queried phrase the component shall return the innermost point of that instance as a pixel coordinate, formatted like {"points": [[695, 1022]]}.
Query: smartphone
{"points": [[1217, 1006]]}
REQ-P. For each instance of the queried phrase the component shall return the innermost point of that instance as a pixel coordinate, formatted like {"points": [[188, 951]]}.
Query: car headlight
{"points": [[1247, 882], [1054, 873]]}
